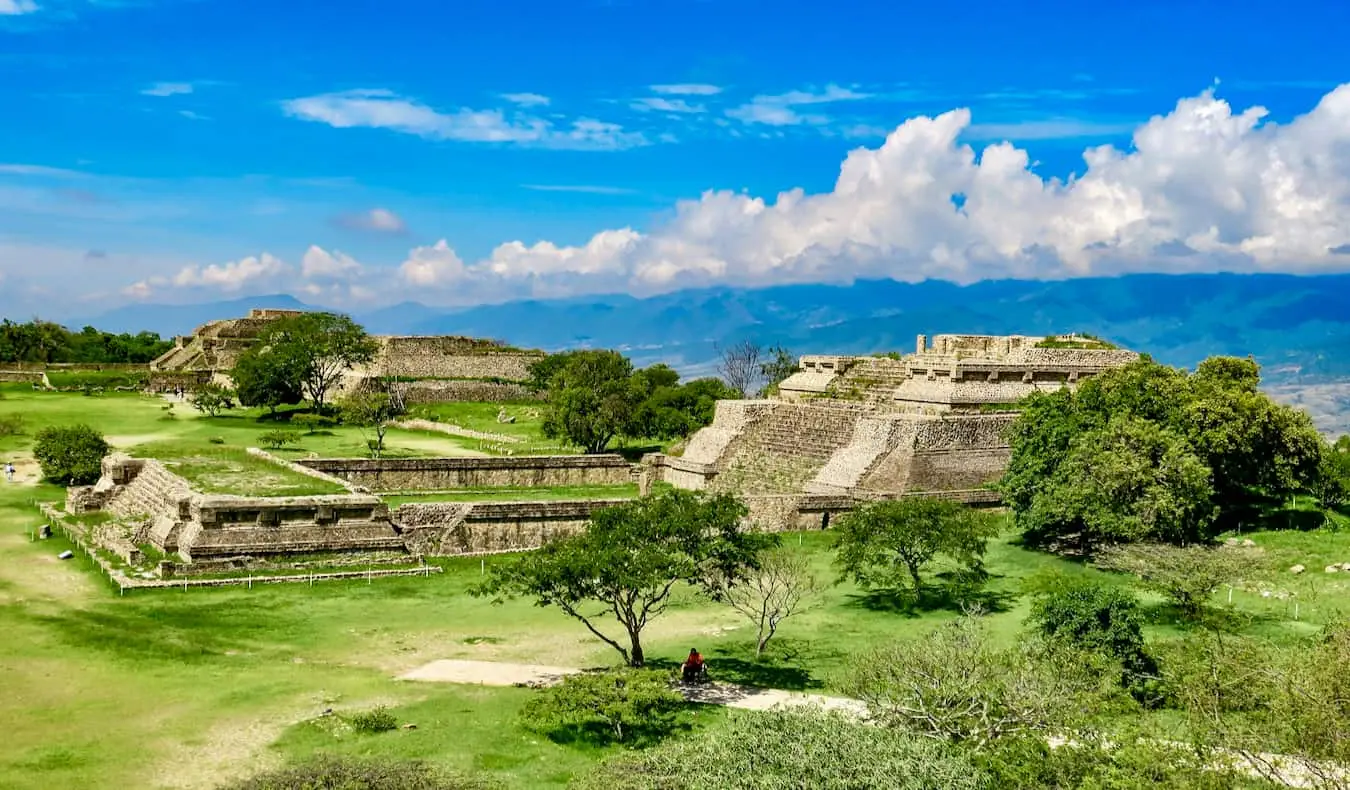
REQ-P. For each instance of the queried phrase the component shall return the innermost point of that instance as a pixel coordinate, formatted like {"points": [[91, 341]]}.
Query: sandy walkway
{"points": [[492, 673]]}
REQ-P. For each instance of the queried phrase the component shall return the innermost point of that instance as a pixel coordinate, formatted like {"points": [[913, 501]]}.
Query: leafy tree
{"points": [[324, 346], [791, 749], [269, 376], [955, 685], [374, 411], [70, 454], [778, 364], [627, 562], [279, 439], [345, 773], [1188, 576], [622, 706], [1253, 448], [1332, 487], [543, 370], [211, 399], [884, 544], [1130, 480], [46, 342], [782, 586], [673, 411], [1096, 617], [591, 398]]}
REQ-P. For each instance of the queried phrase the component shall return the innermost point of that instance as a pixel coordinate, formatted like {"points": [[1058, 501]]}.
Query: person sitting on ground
{"points": [[692, 669]]}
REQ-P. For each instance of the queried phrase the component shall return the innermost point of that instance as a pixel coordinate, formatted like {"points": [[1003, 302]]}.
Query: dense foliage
{"points": [[70, 454], [630, 559], [44, 341], [791, 749], [269, 376], [1149, 452], [318, 347], [594, 396], [625, 706], [1092, 616]]}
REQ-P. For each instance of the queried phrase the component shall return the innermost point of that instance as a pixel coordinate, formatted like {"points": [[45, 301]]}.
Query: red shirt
{"points": [[694, 660]]}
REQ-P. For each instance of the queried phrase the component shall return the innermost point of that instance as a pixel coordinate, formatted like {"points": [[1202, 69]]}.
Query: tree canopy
{"points": [[1150, 452], [269, 376], [44, 341], [887, 544], [322, 347], [629, 559]]}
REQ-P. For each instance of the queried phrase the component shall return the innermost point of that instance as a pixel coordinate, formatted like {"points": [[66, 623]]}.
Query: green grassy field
{"points": [[172, 688], [529, 418]]}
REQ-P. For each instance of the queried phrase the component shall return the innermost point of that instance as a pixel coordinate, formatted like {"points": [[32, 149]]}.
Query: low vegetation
{"points": [[71, 454]]}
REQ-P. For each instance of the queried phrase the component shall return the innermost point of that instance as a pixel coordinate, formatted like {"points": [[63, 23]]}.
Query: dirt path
{"points": [[492, 673]]}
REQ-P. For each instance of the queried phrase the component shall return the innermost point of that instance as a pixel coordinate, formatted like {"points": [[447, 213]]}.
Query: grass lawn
{"points": [[183, 689], [528, 427]]}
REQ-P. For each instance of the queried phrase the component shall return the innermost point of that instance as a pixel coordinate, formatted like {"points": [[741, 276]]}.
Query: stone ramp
{"points": [[492, 673]]}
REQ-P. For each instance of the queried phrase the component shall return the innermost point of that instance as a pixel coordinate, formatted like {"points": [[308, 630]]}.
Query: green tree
{"points": [[372, 411], [954, 684], [884, 544], [1089, 615], [1188, 576], [791, 749], [269, 376], [616, 706], [70, 454], [591, 398], [778, 364], [1130, 480], [324, 346], [211, 399], [674, 411], [1332, 487], [629, 559]]}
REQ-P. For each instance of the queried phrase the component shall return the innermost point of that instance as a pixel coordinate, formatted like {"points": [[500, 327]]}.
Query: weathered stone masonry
{"points": [[437, 474]]}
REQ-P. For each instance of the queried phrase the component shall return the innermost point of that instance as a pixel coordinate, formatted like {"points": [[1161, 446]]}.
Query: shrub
{"points": [[11, 425], [1092, 616], [70, 454], [373, 721], [278, 439], [1187, 576], [343, 773], [211, 399], [792, 748], [610, 706], [313, 422], [216, 440]]}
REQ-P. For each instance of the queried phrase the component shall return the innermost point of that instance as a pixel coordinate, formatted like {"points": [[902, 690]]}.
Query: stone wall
{"points": [[22, 377], [439, 474], [457, 528], [451, 358], [477, 391]]}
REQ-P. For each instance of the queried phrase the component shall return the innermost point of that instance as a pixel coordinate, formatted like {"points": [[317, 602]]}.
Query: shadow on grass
{"points": [[1213, 618], [595, 734], [771, 671], [634, 454], [950, 597]]}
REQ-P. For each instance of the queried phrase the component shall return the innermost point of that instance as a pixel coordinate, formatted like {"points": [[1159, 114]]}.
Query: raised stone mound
{"points": [[932, 421]]}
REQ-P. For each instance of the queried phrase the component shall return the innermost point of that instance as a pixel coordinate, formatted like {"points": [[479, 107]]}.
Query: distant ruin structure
{"points": [[443, 367], [931, 422]]}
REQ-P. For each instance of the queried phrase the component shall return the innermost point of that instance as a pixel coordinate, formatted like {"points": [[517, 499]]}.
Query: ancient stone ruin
{"points": [[932, 421], [441, 368]]}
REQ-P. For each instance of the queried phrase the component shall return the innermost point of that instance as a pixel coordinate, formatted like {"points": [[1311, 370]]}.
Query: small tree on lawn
{"points": [[885, 544], [630, 558], [70, 454], [1188, 576], [374, 412], [591, 397], [782, 585], [324, 346], [211, 399]]}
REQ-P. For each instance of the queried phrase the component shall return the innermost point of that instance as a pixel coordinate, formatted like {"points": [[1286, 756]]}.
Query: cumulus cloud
{"points": [[231, 276], [687, 89], [526, 99], [163, 89], [17, 7], [780, 109], [377, 220], [382, 109], [1203, 188], [319, 263]]}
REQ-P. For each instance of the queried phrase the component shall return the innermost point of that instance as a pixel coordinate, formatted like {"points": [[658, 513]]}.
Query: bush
{"points": [[11, 425], [216, 440], [1188, 576], [312, 423], [787, 749], [1092, 616], [373, 721], [617, 706], [70, 454], [211, 399], [278, 439], [342, 773]]}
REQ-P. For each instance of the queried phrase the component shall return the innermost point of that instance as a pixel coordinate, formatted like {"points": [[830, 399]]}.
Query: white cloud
{"points": [[686, 89], [779, 109], [526, 99], [231, 276], [319, 263], [378, 220], [381, 109], [162, 89], [17, 7], [437, 265], [660, 104]]}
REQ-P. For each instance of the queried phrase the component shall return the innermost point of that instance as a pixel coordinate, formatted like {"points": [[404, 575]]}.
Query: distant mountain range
{"points": [[1297, 327]]}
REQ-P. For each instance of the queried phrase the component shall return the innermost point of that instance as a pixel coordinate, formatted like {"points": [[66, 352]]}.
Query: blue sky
{"points": [[142, 140]]}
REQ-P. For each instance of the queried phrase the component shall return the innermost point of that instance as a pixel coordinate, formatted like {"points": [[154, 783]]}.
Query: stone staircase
{"points": [[782, 450], [873, 438], [873, 379]]}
